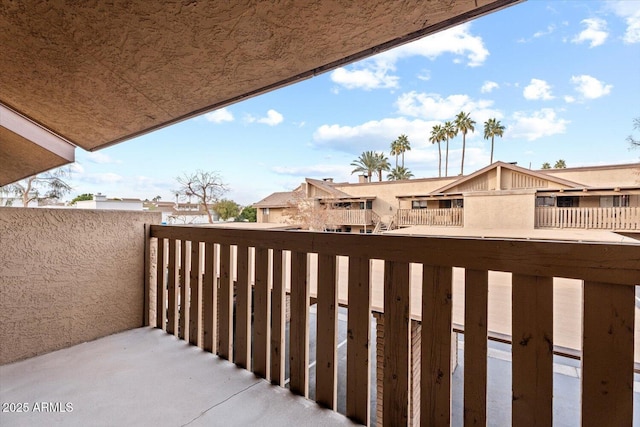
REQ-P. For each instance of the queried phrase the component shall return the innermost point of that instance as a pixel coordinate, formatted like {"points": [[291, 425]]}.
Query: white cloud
{"points": [[272, 118], [434, 107], [590, 87], [536, 125], [219, 116], [488, 86], [374, 76], [377, 72], [550, 29], [630, 12], [324, 170], [103, 178], [537, 89], [100, 158], [595, 33], [372, 135], [569, 99]]}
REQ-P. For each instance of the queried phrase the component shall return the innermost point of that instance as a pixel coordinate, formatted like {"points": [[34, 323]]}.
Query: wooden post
{"points": [[243, 310], [278, 320], [607, 348], [184, 284], [146, 276], [327, 325], [262, 317], [172, 291], [476, 293], [299, 326], [209, 300], [194, 295], [225, 337], [532, 350], [397, 293], [435, 383], [161, 282], [359, 341]]}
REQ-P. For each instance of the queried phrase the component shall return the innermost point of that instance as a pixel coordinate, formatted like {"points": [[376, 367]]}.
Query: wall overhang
{"points": [[99, 73]]}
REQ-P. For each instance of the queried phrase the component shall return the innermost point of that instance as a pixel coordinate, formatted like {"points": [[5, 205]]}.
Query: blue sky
{"points": [[563, 77]]}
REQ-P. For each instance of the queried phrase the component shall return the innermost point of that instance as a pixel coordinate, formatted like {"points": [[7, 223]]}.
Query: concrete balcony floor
{"points": [[147, 377]]}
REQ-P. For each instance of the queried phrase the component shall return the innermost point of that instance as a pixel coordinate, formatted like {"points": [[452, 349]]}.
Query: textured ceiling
{"points": [[97, 73]]}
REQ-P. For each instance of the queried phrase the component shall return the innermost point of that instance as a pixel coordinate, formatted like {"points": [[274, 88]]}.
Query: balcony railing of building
{"points": [[187, 308], [450, 217], [349, 216], [615, 218]]}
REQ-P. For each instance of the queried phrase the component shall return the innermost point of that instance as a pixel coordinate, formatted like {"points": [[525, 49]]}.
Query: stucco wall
{"points": [[506, 209], [613, 175], [68, 276]]}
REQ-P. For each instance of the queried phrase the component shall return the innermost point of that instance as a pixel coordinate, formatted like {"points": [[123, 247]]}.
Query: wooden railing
{"points": [[453, 217], [622, 218], [193, 307], [349, 216]]}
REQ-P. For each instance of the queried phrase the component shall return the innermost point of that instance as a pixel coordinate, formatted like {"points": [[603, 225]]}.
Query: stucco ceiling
{"points": [[96, 74]]}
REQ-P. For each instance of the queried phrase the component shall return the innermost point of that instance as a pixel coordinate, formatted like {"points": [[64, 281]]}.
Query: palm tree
{"points": [[492, 128], [464, 124], [399, 173], [546, 165], [560, 164], [403, 145], [366, 163], [437, 136], [449, 131], [395, 150], [382, 164]]}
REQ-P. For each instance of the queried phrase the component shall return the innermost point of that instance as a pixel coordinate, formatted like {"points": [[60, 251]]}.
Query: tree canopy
{"points": [[226, 209], [463, 124], [399, 173], [49, 185], [81, 197], [493, 128], [248, 213]]}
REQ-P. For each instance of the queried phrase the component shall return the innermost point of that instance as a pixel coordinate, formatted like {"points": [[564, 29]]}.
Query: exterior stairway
{"points": [[385, 225]]}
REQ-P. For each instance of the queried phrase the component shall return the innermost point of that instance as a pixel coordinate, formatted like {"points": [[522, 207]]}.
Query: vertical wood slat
{"points": [[278, 320], [397, 341], [532, 350], [262, 315], [146, 276], [242, 335], [359, 342], [326, 337], [435, 374], [299, 326], [194, 295], [209, 300], [184, 284], [172, 294], [225, 336], [476, 295], [161, 282], [607, 354]]}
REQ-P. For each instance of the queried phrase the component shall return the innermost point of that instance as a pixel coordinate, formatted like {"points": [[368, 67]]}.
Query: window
{"points": [[545, 201], [366, 205], [444, 204], [265, 211], [419, 204], [621, 201], [458, 203], [567, 202]]}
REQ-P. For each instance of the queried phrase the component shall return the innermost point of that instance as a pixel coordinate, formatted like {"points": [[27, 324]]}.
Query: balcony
{"points": [[616, 218], [349, 216], [452, 217], [223, 292]]}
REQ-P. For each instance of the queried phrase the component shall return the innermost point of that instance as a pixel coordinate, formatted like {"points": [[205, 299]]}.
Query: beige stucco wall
{"points": [[614, 175], [68, 276], [506, 209]]}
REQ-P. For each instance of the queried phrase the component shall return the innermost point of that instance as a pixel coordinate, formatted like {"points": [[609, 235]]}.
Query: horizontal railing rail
{"points": [[197, 306], [349, 216], [614, 218], [450, 217]]}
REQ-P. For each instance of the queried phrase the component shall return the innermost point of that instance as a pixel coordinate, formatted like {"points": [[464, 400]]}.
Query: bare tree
{"points": [[306, 213], [206, 187], [630, 139], [49, 185]]}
